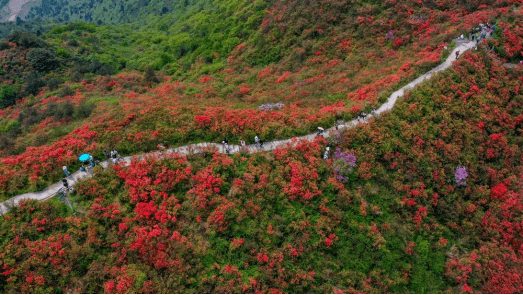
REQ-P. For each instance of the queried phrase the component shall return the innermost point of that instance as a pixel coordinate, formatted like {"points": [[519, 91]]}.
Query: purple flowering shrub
{"points": [[344, 165], [461, 175], [271, 106]]}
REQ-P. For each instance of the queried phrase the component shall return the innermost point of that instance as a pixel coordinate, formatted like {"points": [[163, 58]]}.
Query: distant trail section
{"points": [[52, 190], [16, 6]]}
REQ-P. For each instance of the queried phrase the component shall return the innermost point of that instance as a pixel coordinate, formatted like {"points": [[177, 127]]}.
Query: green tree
{"points": [[42, 60], [8, 95], [34, 82]]}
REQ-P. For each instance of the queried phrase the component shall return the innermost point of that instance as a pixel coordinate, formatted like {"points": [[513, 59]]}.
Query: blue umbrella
{"points": [[84, 157]]}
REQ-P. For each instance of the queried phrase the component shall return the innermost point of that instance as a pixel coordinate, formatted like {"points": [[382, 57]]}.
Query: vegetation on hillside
{"points": [[328, 75], [281, 222], [424, 199]]}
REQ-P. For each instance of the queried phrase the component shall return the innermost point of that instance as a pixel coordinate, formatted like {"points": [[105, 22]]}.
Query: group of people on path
{"points": [[364, 115], [113, 156], [226, 148], [482, 32]]}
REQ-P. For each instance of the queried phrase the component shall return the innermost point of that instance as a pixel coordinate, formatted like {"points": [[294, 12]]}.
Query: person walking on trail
{"points": [[161, 148], [457, 54], [326, 155], [91, 161], [65, 171], [256, 139], [64, 181], [226, 147], [261, 144]]}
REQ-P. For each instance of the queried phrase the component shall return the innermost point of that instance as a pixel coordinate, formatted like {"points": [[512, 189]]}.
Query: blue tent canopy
{"points": [[84, 157]]}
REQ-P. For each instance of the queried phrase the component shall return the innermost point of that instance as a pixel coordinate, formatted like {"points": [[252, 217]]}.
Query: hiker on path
{"points": [[457, 54], [261, 144], [161, 147], [226, 147], [114, 154], [65, 171], [326, 155], [242, 144], [256, 139], [91, 161], [64, 181]]}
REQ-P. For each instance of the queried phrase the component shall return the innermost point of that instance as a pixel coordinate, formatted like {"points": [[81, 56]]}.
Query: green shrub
{"points": [[58, 30], [73, 43], [50, 110], [53, 83], [62, 53], [29, 40], [42, 60], [26, 39], [95, 67], [150, 76], [7, 125], [8, 95], [105, 70], [83, 111], [66, 91], [34, 82], [64, 111], [4, 45], [30, 116], [77, 77]]}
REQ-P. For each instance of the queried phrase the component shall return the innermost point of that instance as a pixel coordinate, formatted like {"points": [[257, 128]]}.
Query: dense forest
{"points": [[424, 199], [109, 12]]}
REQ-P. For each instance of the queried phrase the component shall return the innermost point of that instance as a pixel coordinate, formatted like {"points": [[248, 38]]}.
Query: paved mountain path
{"points": [[52, 190]]}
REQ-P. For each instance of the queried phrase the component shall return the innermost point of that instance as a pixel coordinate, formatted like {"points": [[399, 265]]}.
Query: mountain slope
{"points": [[96, 11], [427, 199]]}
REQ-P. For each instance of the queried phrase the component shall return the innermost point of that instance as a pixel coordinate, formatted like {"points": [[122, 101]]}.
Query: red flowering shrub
{"points": [[498, 191]]}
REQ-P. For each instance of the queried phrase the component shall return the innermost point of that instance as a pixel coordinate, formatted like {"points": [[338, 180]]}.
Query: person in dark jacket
{"points": [[64, 181]]}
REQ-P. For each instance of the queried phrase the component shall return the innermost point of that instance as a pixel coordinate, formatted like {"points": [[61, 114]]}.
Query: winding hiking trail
{"points": [[52, 190]]}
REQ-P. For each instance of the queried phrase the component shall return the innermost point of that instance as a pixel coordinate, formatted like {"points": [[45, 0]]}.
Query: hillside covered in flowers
{"points": [[424, 199]]}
